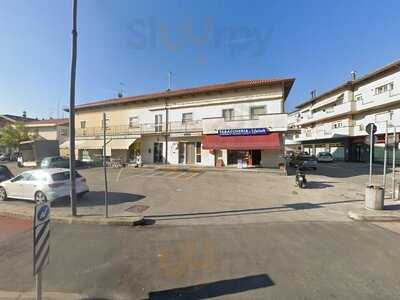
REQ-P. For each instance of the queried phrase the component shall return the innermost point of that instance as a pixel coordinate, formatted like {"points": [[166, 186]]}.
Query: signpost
{"points": [[41, 247], [394, 164], [371, 129]]}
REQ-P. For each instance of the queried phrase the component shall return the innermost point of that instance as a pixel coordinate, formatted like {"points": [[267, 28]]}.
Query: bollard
{"points": [[397, 191], [374, 197]]}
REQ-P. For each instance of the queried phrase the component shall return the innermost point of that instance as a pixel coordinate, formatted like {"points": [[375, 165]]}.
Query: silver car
{"points": [[41, 185]]}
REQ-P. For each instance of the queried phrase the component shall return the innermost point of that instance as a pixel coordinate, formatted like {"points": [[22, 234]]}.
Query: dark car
{"points": [[4, 157], [5, 173], [54, 162]]}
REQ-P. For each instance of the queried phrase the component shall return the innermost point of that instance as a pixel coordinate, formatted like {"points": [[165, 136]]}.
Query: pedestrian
{"points": [[20, 161]]}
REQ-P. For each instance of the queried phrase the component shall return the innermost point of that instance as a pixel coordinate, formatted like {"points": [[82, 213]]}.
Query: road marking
{"points": [[119, 174], [193, 175]]}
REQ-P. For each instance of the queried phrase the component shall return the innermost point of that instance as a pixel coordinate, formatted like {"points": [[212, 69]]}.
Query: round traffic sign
{"points": [[371, 127], [43, 213]]}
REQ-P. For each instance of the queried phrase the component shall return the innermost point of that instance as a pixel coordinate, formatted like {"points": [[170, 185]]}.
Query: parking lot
{"points": [[223, 197]]}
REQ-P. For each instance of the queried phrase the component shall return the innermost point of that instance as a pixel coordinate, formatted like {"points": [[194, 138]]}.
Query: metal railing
{"points": [[144, 128]]}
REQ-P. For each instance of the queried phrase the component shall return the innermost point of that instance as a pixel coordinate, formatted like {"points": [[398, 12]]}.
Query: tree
{"points": [[11, 136]]}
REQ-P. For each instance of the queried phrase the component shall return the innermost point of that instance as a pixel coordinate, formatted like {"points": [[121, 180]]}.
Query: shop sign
{"points": [[243, 131]]}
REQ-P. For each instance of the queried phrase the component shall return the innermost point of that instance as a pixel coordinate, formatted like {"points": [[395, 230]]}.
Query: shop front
{"points": [[245, 147]]}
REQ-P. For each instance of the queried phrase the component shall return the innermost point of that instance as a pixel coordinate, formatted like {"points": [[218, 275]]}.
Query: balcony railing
{"points": [[145, 128]]}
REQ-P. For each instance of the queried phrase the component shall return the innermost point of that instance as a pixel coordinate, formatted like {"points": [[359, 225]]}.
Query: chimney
{"points": [[353, 75], [313, 94]]}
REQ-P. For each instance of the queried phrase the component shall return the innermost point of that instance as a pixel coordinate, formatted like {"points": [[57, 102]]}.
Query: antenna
{"points": [[169, 81], [121, 90]]}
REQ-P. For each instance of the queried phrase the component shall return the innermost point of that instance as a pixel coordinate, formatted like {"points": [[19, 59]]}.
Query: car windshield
{"points": [[63, 176]]}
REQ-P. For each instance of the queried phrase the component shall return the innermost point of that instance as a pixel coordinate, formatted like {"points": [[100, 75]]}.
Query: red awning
{"points": [[271, 141]]}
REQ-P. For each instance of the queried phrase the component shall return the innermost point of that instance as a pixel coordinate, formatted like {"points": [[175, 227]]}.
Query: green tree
{"points": [[11, 136]]}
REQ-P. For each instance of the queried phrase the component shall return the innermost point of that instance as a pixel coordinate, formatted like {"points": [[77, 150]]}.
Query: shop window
{"points": [[228, 114], [198, 152]]}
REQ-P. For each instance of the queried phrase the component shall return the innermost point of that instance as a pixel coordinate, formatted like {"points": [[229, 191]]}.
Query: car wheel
{"points": [[3, 194], [40, 197]]}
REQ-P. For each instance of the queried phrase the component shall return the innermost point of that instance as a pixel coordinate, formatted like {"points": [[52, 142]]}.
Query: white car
{"points": [[41, 185], [325, 157]]}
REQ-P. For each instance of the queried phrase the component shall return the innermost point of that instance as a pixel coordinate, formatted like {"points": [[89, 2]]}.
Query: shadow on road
{"points": [[214, 289], [97, 198], [247, 211]]}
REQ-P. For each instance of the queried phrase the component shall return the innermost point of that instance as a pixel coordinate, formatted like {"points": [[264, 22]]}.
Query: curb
{"points": [[112, 221], [372, 218], [214, 169]]}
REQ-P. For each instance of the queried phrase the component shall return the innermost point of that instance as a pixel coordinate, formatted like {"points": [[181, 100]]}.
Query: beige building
{"points": [[214, 125], [49, 129], [335, 121]]}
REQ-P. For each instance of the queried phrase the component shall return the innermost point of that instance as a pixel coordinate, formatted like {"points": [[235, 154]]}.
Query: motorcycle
{"points": [[301, 180]]}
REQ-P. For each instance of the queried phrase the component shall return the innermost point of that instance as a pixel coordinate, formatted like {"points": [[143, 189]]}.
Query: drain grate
{"points": [[137, 208]]}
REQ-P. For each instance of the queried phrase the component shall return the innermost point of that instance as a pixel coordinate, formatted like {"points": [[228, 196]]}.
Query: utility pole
{"points": [[385, 156], [72, 111], [105, 166], [394, 164], [167, 117]]}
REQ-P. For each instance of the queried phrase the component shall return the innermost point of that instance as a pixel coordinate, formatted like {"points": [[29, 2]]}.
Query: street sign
{"points": [[371, 127], [41, 235]]}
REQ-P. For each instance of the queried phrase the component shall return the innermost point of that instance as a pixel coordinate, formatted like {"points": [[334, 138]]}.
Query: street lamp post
{"points": [[72, 111]]}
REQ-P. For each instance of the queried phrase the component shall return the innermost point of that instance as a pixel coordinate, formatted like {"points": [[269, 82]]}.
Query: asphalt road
{"points": [[302, 260]]}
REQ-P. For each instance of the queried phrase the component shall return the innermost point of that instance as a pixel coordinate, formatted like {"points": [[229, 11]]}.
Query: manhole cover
{"points": [[137, 208]]}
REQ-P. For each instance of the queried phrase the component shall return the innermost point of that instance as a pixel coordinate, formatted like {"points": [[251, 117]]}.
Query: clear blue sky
{"points": [[201, 42]]}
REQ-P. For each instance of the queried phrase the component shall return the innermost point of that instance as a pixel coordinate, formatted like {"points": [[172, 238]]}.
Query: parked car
{"points": [[54, 162], [4, 157], [41, 185], [5, 173], [325, 157], [309, 162]]}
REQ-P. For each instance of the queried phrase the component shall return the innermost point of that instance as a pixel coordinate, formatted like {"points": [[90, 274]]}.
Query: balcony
{"points": [[274, 122], [140, 129], [334, 111], [323, 133]]}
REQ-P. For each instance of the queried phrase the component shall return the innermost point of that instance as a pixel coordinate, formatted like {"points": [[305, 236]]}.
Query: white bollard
{"points": [[374, 197], [397, 191]]}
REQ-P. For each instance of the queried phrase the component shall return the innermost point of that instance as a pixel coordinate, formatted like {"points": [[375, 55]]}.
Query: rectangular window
{"points": [[107, 122], [158, 123], [83, 124], [187, 118], [337, 125], [256, 111], [198, 152], [384, 88], [228, 114], [133, 122]]}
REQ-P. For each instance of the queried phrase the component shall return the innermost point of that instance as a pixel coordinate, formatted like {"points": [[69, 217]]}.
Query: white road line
{"points": [[119, 174], [194, 174], [181, 174]]}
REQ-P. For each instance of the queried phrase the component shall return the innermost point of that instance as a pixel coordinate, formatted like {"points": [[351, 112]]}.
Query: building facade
{"points": [[215, 125], [336, 120], [49, 129]]}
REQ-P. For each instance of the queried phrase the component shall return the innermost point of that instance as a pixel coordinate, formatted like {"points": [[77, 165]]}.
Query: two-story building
{"points": [[214, 125], [49, 129], [336, 120]]}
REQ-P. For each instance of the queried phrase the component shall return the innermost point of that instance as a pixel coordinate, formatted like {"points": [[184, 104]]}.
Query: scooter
{"points": [[301, 180]]}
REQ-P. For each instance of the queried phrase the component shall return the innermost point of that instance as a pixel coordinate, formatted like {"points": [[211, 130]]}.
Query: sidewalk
{"points": [[64, 216], [195, 168], [391, 212]]}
